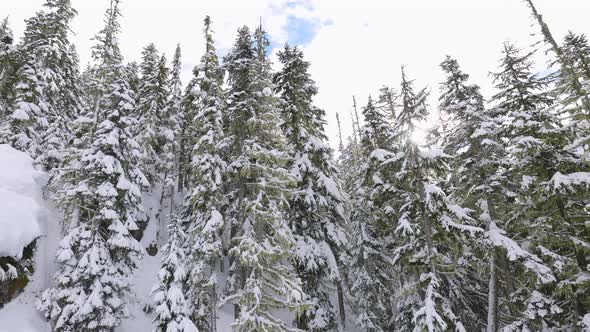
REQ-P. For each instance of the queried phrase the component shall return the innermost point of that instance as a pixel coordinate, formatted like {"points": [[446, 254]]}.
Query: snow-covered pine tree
{"points": [[429, 230], [6, 34], [371, 273], [205, 203], [167, 144], [152, 102], [8, 66], [156, 132], [171, 305], [388, 102], [98, 255], [262, 278], [133, 77], [47, 91], [473, 136], [577, 50], [551, 181], [575, 80], [317, 207], [176, 111]]}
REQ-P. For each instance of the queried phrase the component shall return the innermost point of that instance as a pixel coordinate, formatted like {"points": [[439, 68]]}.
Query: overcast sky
{"points": [[354, 46]]}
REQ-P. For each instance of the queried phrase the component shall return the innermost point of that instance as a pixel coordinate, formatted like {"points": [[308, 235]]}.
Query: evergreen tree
{"points": [[133, 78], [377, 130], [176, 110], [98, 255], [577, 51], [47, 91], [371, 269], [547, 195], [317, 206], [205, 204], [371, 272], [9, 60], [478, 182], [567, 67], [388, 102], [156, 133], [172, 313], [428, 230], [262, 279], [152, 103]]}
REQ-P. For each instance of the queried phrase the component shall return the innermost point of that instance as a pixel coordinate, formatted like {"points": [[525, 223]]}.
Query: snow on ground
{"points": [[24, 216], [36, 217], [20, 315], [20, 194], [145, 278]]}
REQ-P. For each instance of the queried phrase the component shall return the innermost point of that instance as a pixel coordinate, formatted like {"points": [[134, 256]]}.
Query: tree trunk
{"points": [[341, 305], [565, 64], [213, 309], [492, 297], [492, 324]]}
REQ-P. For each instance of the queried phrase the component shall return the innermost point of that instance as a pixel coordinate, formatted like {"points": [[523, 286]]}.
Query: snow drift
{"points": [[20, 192]]}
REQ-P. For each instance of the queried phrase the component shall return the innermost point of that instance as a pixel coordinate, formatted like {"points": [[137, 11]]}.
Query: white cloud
{"points": [[369, 40], [363, 47]]}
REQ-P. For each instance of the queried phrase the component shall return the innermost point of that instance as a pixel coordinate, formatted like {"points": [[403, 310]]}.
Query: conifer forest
{"points": [[133, 200]]}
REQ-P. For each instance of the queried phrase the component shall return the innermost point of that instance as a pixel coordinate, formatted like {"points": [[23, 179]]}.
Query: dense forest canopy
{"points": [[479, 222]]}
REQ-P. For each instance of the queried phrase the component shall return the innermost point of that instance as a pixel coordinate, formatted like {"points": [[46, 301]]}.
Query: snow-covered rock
{"points": [[20, 194]]}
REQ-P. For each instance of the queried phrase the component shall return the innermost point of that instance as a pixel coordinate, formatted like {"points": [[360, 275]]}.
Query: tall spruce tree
{"points": [[317, 207], [156, 132], [177, 114], [152, 103], [577, 50], [262, 279], [171, 305], [388, 102], [550, 181], [98, 255], [478, 182], [9, 59], [47, 93], [205, 204], [429, 230], [371, 271]]}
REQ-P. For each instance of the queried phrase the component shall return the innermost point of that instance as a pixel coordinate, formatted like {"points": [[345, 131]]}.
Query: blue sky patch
{"points": [[301, 31]]}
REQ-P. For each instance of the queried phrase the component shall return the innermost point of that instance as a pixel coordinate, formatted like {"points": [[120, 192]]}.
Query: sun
{"points": [[418, 136]]}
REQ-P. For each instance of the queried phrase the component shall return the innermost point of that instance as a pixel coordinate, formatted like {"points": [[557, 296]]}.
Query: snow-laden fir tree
{"points": [[156, 132], [176, 111], [317, 206], [371, 273], [262, 278], [205, 203], [6, 34], [478, 182], [429, 231], [47, 92], [133, 77], [549, 205], [569, 103], [8, 66], [152, 111], [577, 50], [187, 138], [98, 255], [387, 102], [567, 67], [171, 306]]}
